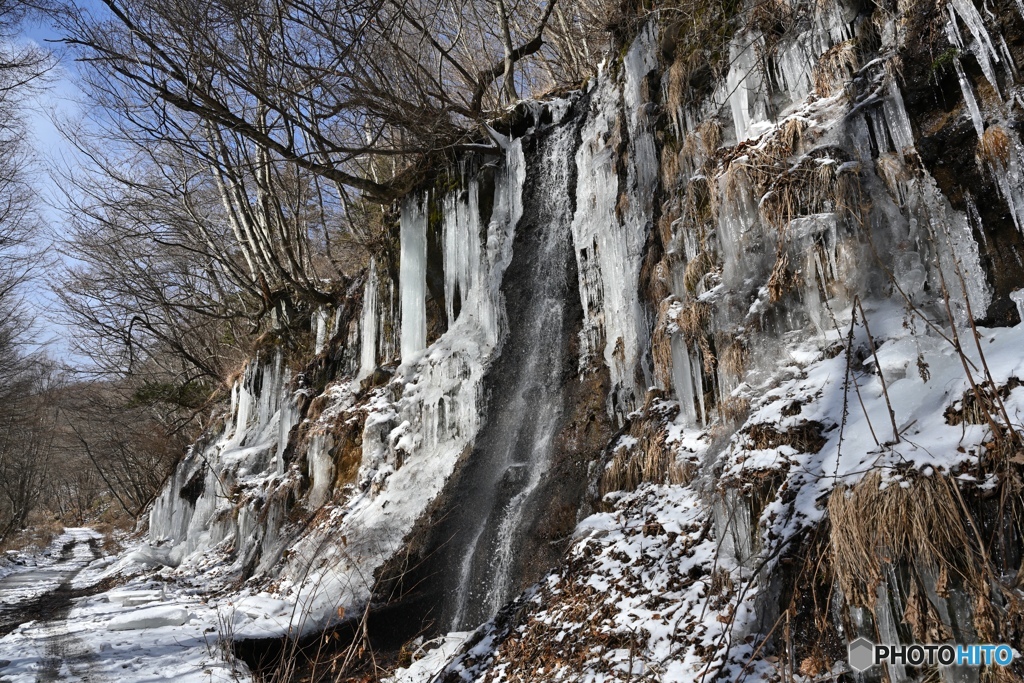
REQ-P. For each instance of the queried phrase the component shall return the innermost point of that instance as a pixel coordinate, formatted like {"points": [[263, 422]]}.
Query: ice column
{"points": [[320, 329], [368, 326], [462, 268], [413, 276]]}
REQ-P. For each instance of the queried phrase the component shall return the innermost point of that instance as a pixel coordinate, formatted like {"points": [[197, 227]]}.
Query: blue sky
{"points": [[58, 100]]}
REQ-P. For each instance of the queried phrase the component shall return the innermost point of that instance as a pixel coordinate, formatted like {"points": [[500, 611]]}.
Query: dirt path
{"points": [[44, 596]]}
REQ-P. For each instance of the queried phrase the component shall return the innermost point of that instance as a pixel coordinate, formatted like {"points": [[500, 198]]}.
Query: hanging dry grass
{"points": [[710, 133], [921, 524], [782, 279], [994, 148], [835, 67], [693, 320], [699, 204], [697, 269], [670, 168], [733, 359], [788, 138]]}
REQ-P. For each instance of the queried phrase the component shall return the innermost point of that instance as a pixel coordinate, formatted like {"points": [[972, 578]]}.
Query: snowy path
{"points": [[61, 620], [37, 600]]}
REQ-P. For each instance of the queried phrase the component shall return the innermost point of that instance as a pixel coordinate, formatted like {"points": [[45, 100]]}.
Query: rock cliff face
{"points": [[719, 354]]}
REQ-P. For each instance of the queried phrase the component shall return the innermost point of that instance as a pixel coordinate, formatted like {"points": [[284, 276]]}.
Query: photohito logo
{"points": [[863, 654]]}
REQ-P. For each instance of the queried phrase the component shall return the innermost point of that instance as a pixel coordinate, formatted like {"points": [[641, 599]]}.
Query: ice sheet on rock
{"points": [[609, 247], [410, 446], [196, 512], [797, 58], [132, 598], [429, 659]]}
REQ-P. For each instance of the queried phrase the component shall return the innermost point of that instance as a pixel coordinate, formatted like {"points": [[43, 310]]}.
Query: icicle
{"points": [[887, 629], [897, 119], [969, 100], [368, 326], [320, 469], [461, 237], [320, 329], [736, 216], [737, 88], [413, 276], [697, 365], [682, 379], [982, 47], [812, 296], [1017, 297], [1011, 67]]}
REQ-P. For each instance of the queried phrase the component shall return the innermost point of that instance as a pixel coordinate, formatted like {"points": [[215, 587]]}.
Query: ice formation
{"points": [[788, 340]]}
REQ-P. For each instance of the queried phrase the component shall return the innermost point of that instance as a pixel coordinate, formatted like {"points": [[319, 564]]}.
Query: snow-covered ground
{"points": [[142, 631]]}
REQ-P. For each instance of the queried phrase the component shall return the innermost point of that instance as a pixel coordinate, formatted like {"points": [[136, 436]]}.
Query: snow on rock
{"points": [[428, 659], [150, 617]]}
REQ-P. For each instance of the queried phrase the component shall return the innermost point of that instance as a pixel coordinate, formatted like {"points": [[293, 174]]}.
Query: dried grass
{"points": [[834, 67], [921, 524], [650, 459], [782, 279], [995, 147], [693, 320], [734, 409], [697, 269], [670, 168], [733, 359]]}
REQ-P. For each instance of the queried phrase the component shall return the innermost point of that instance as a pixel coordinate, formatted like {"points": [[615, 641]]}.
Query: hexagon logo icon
{"points": [[861, 654]]}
